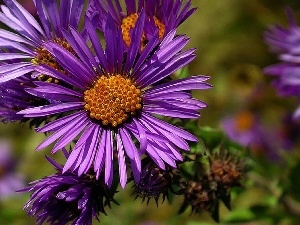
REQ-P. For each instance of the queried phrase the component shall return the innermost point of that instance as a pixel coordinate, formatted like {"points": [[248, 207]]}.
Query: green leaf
{"points": [[240, 215]]}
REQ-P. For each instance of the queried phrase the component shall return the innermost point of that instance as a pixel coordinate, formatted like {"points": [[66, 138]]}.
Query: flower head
{"points": [[161, 16], [285, 42], [26, 41], [10, 181], [112, 99], [156, 182], [247, 129], [64, 198]]}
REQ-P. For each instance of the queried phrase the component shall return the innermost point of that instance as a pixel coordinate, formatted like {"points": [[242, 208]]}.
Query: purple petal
{"points": [[190, 83], [51, 109], [121, 160], [99, 159], [168, 127], [90, 150], [56, 124], [108, 175]]}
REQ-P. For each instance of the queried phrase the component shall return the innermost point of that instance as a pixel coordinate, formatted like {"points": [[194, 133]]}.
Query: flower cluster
{"points": [[102, 89]]}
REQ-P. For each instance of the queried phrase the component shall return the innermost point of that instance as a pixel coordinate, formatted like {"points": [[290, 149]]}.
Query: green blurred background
{"points": [[228, 35]]}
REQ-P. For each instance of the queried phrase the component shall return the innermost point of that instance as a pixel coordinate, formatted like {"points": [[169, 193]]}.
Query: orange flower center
{"points": [[43, 56], [244, 121], [129, 22], [112, 100]]}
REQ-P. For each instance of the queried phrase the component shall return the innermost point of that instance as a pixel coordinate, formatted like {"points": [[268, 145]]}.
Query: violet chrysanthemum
{"points": [[27, 38], [286, 43], [162, 15], [66, 198], [113, 100]]}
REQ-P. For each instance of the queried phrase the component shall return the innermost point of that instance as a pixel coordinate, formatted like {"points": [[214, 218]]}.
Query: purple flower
{"points": [[14, 98], [113, 100], [26, 41], [246, 129], [286, 43], [10, 181], [63, 198], [242, 128], [155, 182], [162, 16]]}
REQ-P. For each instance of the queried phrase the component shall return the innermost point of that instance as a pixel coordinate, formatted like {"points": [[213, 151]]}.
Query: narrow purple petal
{"points": [[96, 44], [54, 92], [99, 159], [90, 150], [76, 12], [72, 159], [70, 134], [8, 56], [121, 160], [75, 126], [135, 42], [190, 83], [108, 175], [51, 109], [132, 153], [53, 15], [47, 70], [163, 125], [142, 136], [60, 122], [11, 71]]}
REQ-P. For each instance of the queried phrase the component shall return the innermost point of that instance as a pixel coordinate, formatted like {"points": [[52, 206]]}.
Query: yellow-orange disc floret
{"points": [[129, 22], [112, 100], [244, 121], [43, 56]]}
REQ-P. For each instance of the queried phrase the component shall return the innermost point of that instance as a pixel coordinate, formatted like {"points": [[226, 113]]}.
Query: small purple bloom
{"points": [[63, 198], [162, 16], [27, 38], [245, 128], [155, 182], [10, 181], [286, 43], [112, 100], [242, 128]]}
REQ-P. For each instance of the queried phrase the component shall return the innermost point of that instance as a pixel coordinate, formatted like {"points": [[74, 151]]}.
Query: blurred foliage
{"points": [[230, 48]]}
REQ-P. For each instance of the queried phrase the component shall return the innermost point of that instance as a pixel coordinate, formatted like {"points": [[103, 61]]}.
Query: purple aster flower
{"points": [[27, 38], [242, 128], [246, 129], [162, 16], [113, 100], [286, 43], [63, 198], [10, 181]]}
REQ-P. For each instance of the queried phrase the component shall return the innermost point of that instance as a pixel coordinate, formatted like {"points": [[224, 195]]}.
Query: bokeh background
{"points": [[228, 36]]}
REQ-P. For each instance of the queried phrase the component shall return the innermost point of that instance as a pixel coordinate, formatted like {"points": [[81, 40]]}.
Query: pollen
{"points": [[112, 100], [129, 22], [43, 56]]}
